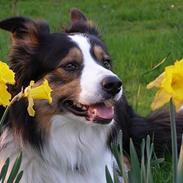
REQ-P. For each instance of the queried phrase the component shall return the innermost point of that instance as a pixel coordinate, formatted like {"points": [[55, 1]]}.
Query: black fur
{"points": [[26, 126], [157, 125]]}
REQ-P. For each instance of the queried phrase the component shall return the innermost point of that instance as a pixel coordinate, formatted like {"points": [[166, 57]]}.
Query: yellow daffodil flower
{"points": [[5, 96], [6, 77], [6, 74], [170, 84], [39, 92]]}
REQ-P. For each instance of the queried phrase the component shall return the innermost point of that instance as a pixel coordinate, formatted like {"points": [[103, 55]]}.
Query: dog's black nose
{"points": [[111, 84]]}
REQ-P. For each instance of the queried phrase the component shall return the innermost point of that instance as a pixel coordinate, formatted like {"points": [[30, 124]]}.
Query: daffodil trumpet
{"points": [[41, 92]]}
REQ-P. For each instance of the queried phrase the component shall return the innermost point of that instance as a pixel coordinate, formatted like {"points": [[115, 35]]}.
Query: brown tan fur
{"points": [[100, 53]]}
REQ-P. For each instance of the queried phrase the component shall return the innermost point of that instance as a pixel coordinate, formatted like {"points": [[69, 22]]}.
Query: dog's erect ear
{"points": [[23, 28], [79, 23], [77, 15]]}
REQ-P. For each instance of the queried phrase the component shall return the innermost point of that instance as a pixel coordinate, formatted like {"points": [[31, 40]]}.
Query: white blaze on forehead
{"points": [[92, 73]]}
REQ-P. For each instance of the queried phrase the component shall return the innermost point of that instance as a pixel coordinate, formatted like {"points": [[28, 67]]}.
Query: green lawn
{"points": [[138, 33]]}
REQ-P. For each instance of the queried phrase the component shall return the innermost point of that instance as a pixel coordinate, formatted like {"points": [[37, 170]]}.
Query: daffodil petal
{"points": [[156, 82], [6, 74], [179, 65], [5, 96], [30, 109], [160, 99], [166, 83]]}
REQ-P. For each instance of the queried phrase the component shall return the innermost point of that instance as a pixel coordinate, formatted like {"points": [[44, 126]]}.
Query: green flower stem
{"points": [[15, 98], [174, 141], [3, 118]]}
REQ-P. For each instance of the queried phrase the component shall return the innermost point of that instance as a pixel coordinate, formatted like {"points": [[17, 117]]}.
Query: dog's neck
{"points": [[75, 144]]}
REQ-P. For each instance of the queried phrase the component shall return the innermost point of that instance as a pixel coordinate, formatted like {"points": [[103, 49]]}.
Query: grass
{"points": [[138, 33]]}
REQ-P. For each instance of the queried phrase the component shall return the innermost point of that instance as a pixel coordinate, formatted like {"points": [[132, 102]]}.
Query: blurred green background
{"points": [[138, 33]]}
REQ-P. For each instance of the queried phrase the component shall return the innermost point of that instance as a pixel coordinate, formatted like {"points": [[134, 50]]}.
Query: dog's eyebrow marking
{"points": [[73, 55], [99, 53]]}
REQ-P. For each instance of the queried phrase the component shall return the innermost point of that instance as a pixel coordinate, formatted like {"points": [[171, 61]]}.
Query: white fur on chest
{"points": [[76, 152], [80, 149]]}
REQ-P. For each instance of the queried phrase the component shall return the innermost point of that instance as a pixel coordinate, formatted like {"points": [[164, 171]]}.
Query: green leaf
{"points": [[4, 170], [108, 175], [115, 177], [19, 176], [135, 173], [116, 154], [149, 151], [174, 141], [143, 168], [157, 161], [15, 169]]}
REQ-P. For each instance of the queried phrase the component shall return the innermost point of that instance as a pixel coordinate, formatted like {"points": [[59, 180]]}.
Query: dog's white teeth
{"points": [[79, 105], [109, 103], [84, 107]]}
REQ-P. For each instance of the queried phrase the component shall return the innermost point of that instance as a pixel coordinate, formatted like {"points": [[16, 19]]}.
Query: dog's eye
{"points": [[71, 67], [107, 64]]}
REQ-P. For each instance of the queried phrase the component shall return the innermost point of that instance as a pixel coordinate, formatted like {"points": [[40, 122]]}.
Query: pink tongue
{"points": [[100, 111]]}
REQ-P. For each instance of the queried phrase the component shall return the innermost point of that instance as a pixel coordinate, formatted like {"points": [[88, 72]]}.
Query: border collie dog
{"points": [[67, 140]]}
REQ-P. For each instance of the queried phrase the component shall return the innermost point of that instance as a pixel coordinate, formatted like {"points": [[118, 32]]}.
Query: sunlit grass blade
{"points": [[4, 170], [15, 169], [157, 65]]}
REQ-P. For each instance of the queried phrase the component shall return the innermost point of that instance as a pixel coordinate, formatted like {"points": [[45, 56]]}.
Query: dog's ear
{"points": [[26, 38], [23, 28], [77, 16], [79, 23]]}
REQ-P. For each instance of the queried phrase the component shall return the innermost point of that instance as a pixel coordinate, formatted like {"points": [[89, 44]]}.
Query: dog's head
{"points": [[75, 62]]}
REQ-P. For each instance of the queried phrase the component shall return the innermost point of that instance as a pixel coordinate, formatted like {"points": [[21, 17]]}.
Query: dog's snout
{"points": [[111, 85]]}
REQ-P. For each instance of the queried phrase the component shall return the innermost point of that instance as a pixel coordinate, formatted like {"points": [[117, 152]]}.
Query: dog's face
{"points": [[76, 64], [87, 87]]}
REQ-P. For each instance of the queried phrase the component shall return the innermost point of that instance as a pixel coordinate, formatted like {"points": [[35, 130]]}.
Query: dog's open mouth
{"points": [[99, 113]]}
